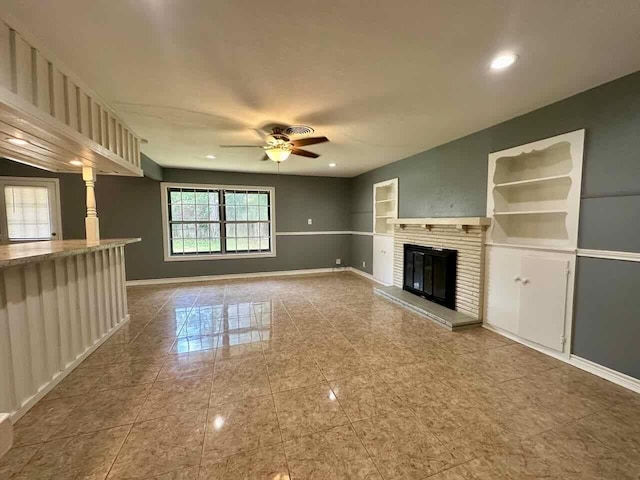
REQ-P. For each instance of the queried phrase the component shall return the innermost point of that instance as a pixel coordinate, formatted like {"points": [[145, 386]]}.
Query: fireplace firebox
{"points": [[431, 273]]}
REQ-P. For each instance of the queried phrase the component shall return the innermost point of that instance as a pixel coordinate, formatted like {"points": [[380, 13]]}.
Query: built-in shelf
{"points": [[385, 206], [534, 192], [470, 221], [532, 247], [533, 212], [531, 181], [462, 223]]}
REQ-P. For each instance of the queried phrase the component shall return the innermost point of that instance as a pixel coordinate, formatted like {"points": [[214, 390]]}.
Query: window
{"points": [[29, 209], [213, 221]]}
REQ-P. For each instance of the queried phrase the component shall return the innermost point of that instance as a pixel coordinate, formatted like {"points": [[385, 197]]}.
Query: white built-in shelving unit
{"points": [[534, 193], [533, 198], [385, 208]]}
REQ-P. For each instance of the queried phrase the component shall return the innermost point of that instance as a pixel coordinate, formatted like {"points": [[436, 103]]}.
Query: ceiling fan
{"points": [[279, 146]]}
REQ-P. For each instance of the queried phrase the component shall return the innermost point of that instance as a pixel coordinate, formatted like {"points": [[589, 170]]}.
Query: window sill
{"points": [[227, 256]]}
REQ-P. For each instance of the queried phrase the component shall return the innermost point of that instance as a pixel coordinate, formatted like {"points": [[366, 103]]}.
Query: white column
{"points": [[91, 223]]}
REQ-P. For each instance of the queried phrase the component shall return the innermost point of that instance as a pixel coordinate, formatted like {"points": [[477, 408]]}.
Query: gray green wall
{"points": [[451, 180], [131, 207]]}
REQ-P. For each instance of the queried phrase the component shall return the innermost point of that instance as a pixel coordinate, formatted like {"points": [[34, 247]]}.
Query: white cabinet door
{"points": [[502, 288], [543, 299], [383, 259]]}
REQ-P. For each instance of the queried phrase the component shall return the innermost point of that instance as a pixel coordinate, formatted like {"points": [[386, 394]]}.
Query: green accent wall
{"points": [[131, 207], [450, 181]]}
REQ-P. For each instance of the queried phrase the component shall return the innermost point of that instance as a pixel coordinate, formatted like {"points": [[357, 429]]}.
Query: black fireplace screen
{"points": [[431, 273]]}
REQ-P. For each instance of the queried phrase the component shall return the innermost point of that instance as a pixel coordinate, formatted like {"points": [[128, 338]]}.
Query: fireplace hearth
{"points": [[431, 273]]}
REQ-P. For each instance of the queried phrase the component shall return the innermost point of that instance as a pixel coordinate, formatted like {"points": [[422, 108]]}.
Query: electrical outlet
{"points": [[338, 261], [310, 221], [364, 264]]}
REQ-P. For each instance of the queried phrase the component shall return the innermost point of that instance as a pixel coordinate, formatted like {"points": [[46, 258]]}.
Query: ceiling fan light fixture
{"points": [[503, 61], [332, 165], [278, 153]]}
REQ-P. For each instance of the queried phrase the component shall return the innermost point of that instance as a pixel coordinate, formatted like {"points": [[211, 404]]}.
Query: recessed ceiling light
{"points": [[504, 60], [211, 156], [17, 141], [77, 163], [332, 165]]}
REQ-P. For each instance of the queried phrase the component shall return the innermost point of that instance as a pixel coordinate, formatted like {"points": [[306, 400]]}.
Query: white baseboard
{"points": [[15, 416], [366, 275], [6, 433], [512, 336], [618, 378], [615, 377], [231, 276]]}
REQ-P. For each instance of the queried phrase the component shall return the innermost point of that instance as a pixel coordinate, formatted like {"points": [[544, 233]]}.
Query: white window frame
{"points": [[164, 188], [53, 184]]}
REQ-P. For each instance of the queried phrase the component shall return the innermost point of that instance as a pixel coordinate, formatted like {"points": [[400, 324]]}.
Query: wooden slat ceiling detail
{"points": [[63, 121]]}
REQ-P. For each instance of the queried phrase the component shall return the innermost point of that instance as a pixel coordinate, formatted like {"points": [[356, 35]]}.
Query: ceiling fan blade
{"points": [[240, 146], [309, 141], [265, 158], [304, 153]]}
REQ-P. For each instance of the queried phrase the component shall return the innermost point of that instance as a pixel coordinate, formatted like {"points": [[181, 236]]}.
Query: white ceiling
{"points": [[382, 80]]}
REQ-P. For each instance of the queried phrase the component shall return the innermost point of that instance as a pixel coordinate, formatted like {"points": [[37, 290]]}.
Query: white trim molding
{"points": [[236, 276], [232, 276], [299, 234], [323, 232], [366, 275], [601, 371], [223, 255], [609, 255], [613, 376]]}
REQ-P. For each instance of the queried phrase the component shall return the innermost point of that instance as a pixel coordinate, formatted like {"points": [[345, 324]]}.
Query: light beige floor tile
{"points": [[189, 364], [334, 454], [79, 382], [159, 446], [365, 396], [15, 459], [194, 343], [337, 363], [107, 409], [239, 378], [402, 448], [289, 370], [87, 456], [268, 463], [459, 472], [229, 352], [307, 410], [189, 473], [130, 373], [244, 425], [39, 423], [175, 397], [483, 406]]}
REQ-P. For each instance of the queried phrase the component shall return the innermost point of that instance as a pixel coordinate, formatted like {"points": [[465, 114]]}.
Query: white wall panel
{"points": [[53, 314]]}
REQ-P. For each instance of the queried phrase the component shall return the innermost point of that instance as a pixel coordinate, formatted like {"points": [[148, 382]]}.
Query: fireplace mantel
{"points": [[460, 222]]}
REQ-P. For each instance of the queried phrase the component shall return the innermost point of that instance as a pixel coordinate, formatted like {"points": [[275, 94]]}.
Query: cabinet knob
{"points": [[525, 281], [516, 279]]}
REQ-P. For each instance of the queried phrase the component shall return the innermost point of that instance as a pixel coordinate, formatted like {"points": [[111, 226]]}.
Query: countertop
{"points": [[34, 252]]}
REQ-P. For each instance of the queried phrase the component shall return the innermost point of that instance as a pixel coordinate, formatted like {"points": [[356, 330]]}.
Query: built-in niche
{"points": [[532, 195]]}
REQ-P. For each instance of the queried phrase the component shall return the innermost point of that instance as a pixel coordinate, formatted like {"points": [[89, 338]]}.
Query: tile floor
{"points": [[317, 378]]}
